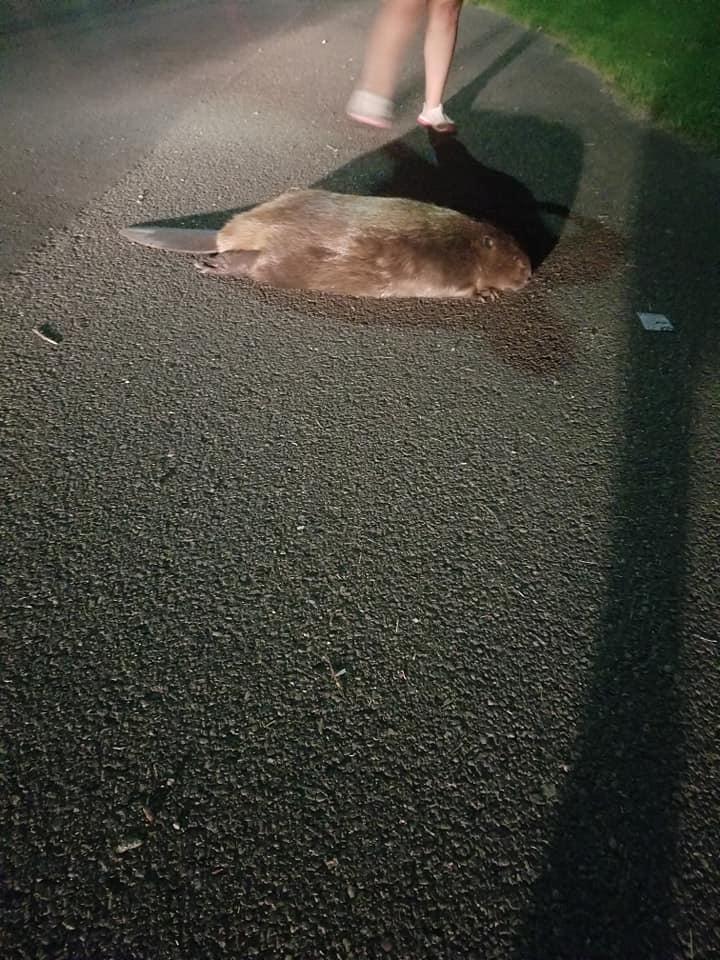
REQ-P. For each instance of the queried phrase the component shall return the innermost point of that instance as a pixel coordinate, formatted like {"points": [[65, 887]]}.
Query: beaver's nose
{"points": [[524, 268]]}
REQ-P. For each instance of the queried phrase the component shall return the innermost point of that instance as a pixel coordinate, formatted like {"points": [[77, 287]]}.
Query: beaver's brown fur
{"points": [[357, 246]]}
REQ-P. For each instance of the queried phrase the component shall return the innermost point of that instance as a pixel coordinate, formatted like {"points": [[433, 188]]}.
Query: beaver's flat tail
{"points": [[172, 238]]}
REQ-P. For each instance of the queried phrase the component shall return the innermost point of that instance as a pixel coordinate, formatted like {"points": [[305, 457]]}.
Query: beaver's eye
{"points": [[488, 241]]}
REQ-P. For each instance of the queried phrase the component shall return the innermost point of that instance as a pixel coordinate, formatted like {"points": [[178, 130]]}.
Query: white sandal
{"points": [[371, 109], [437, 119]]}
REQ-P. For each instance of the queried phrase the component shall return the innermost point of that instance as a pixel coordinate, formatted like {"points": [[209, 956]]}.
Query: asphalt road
{"points": [[343, 629]]}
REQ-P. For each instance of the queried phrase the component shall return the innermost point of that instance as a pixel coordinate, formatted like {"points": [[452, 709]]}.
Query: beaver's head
{"points": [[501, 263]]}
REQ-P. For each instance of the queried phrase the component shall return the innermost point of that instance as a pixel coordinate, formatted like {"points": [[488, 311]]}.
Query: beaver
{"points": [[356, 246]]}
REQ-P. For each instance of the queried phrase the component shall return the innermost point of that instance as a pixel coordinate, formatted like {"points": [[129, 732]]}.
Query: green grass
{"points": [[662, 55]]}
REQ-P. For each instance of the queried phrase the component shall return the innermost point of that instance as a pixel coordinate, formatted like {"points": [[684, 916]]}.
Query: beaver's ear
{"points": [[488, 241]]}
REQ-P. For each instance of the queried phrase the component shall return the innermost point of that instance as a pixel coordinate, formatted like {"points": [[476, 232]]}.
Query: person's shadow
{"points": [[452, 177]]}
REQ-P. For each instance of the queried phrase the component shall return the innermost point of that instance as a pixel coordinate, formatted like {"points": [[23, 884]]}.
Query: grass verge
{"points": [[662, 55]]}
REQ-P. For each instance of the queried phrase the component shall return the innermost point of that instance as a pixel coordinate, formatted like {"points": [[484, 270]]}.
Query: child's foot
{"points": [[437, 119], [371, 109]]}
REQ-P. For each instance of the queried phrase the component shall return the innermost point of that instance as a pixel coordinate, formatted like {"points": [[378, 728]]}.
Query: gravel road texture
{"points": [[345, 629]]}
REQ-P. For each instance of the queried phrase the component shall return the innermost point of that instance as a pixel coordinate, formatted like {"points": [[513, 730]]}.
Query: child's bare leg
{"points": [[391, 33], [440, 40]]}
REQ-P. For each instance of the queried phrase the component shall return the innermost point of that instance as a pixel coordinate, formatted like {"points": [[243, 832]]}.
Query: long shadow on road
{"points": [[608, 888]]}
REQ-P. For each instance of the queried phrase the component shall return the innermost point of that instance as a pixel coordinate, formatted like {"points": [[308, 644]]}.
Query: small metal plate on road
{"points": [[655, 321]]}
